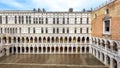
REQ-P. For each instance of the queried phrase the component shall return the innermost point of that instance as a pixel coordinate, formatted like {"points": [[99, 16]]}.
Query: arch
{"points": [[35, 40], [52, 49], [65, 40], [14, 48], [87, 49], [52, 39], [39, 39], [108, 44], [44, 49], [18, 39], [115, 48], [22, 49], [78, 39], [83, 49], [18, 49], [114, 63], [61, 39], [74, 49], [27, 40], [14, 39], [31, 49], [65, 49], [31, 40], [48, 49], [98, 41], [70, 49], [44, 40], [103, 57], [98, 54], [78, 49], [70, 39], [4, 39], [87, 40], [39, 49], [108, 60], [35, 49], [27, 49], [9, 39], [57, 49], [74, 39], [103, 43], [83, 39], [10, 50], [61, 49], [57, 40], [23, 39], [48, 39]]}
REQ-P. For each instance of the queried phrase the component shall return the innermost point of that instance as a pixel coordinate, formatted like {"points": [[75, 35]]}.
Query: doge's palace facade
{"points": [[42, 32]]}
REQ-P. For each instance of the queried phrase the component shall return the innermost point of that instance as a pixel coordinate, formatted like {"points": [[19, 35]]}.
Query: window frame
{"points": [[104, 31]]}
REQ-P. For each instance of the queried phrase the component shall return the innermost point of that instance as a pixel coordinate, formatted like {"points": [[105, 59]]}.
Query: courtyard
{"points": [[51, 61]]}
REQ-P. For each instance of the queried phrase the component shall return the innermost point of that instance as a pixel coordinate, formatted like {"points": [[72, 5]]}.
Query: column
{"points": [[7, 51], [105, 60], [111, 63], [80, 49]]}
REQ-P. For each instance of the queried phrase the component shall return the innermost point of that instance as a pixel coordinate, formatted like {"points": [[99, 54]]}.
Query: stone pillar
{"points": [[16, 50], [118, 64], [111, 63], [80, 49], [118, 50], [7, 52], [105, 60]]}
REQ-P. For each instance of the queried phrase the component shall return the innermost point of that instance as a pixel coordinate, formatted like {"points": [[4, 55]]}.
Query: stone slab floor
{"points": [[51, 61]]}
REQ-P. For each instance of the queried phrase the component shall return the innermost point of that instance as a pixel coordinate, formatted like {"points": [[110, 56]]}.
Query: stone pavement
{"points": [[51, 61]]}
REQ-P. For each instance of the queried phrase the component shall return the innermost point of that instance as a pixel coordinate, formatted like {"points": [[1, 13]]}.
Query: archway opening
{"points": [[70, 49], [48, 39], [70, 39], [57, 40], [74, 40], [78, 49], [35, 40], [83, 39], [44, 49], [87, 40], [61, 39], [65, 49], [83, 49], [114, 63], [31, 40], [74, 49], [115, 46], [65, 40], [78, 40], [87, 49]]}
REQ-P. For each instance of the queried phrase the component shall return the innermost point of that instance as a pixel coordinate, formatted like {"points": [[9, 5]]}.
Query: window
{"points": [[0, 19], [75, 30], [57, 20], [6, 19], [46, 20], [53, 20], [107, 11], [63, 20], [42, 30], [15, 19], [20, 30], [33, 30], [46, 30], [75, 20], [57, 30], [87, 31], [28, 29], [67, 30], [80, 30], [87, 20], [80, 20], [53, 30], [29, 19], [106, 27], [67, 20], [63, 30], [22, 19]]}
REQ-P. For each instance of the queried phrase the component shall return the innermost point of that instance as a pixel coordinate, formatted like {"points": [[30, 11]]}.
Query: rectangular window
{"points": [[53, 20], [53, 30], [67, 20], [75, 31], [0, 19], [57, 20], [67, 30], [42, 30], [6, 19], [80, 20], [46, 30], [63, 20], [29, 19], [46, 20], [75, 20], [87, 20], [106, 27], [15, 19]]}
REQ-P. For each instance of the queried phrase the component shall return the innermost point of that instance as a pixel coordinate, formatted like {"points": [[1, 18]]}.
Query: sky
{"points": [[50, 5]]}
